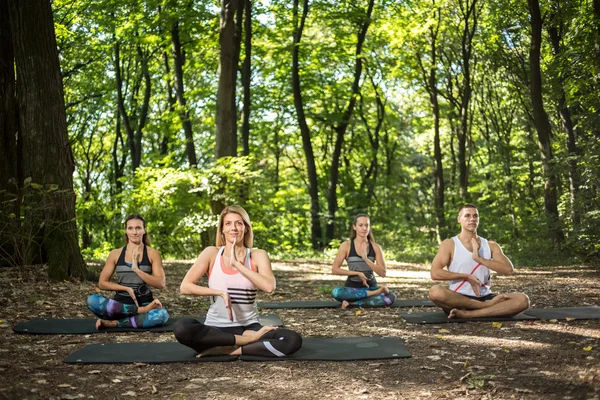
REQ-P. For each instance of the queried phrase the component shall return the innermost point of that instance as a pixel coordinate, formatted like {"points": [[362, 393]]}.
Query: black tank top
{"points": [[356, 263], [128, 278]]}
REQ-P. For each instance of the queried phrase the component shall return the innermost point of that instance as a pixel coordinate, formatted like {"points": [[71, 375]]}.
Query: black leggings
{"points": [[276, 343]]}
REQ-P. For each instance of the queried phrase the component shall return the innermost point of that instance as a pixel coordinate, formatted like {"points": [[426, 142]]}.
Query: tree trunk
{"points": [[542, 124], [567, 124], [226, 116], [184, 113], [430, 83], [10, 178], [340, 129], [313, 189], [171, 100], [246, 77], [47, 154]]}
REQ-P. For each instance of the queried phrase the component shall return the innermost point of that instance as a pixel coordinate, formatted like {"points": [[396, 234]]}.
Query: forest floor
{"points": [[523, 360]]}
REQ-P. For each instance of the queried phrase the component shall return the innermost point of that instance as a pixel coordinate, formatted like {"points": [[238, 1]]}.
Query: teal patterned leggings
{"points": [[360, 297], [126, 314]]}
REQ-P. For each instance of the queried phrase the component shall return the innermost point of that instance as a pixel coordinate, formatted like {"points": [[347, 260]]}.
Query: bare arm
{"points": [[336, 267], [499, 262], [157, 278], [442, 260], [189, 284], [379, 265], [104, 281], [264, 278]]}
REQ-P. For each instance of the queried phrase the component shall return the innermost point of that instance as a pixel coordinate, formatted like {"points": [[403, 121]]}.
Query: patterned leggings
{"points": [[360, 297], [126, 314]]}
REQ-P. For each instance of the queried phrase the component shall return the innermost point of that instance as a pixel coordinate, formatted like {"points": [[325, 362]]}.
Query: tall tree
{"points": [[184, 113], [10, 176], [226, 132], [341, 128], [47, 155], [311, 169], [430, 82], [247, 77], [542, 124]]}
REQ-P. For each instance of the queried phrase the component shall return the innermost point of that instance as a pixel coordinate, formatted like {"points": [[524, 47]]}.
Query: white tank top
{"points": [[241, 291], [463, 263]]}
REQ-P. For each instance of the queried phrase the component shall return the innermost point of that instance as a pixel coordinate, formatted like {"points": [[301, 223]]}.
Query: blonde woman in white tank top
{"points": [[466, 261], [235, 272]]}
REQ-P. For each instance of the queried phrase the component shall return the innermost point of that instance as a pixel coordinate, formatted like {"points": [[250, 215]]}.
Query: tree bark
{"points": [[567, 124], [246, 77], [47, 154], [184, 113], [340, 129], [10, 178], [542, 125], [313, 189], [430, 83], [226, 116]]}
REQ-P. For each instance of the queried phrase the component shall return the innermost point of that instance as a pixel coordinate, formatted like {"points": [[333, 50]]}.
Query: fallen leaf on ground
{"points": [[570, 319], [588, 348], [497, 324], [443, 331]]}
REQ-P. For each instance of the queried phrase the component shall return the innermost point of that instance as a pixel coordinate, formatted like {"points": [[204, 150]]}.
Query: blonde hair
{"points": [[248, 235]]}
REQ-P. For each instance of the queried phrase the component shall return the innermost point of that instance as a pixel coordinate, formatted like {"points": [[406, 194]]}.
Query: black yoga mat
{"points": [[440, 317], [51, 326], [315, 349], [143, 352], [590, 312], [343, 349], [336, 304]]}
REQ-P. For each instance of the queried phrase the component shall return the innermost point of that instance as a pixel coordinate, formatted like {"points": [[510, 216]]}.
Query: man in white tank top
{"points": [[469, 260]]}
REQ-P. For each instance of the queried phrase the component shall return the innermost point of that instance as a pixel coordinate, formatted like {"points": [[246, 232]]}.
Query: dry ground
{"points": [[524, 360]]}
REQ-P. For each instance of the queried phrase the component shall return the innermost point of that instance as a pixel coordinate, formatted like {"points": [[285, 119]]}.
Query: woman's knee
{"points": [[94, 302], [182, 330], [289, 341], [159, 316]]}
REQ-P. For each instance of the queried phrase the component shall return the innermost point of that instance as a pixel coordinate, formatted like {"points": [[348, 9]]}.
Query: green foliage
{"points": [[387, 167]]}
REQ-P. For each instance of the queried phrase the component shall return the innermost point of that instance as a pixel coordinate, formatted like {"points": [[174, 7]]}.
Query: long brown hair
{"points": [[248, 235], [353, 231], [146, 237]]}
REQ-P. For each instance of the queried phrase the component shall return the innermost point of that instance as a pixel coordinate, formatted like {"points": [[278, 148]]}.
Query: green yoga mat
{"points": [[336, 304], [51, 326], [313, 349], [440, 317]]}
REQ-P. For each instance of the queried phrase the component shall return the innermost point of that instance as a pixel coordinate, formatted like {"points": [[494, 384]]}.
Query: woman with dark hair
{"points": [[365, 259], [138, 267], [235, 272]]}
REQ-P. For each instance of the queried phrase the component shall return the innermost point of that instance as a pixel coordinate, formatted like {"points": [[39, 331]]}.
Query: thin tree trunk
{"points": [[567, 123], [184, 113], [246, 77], [171, 100], [340, 129], [313, 190], [542, 124], [430, 83], [47, 152]]}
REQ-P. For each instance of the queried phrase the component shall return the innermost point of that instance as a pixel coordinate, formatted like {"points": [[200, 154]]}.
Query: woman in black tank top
{"points": [[365, 259], [133, 305]]}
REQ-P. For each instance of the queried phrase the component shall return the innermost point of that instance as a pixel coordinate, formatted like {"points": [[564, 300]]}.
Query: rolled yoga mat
{"points": [[51, 326], [336, 304], [313, 349]]}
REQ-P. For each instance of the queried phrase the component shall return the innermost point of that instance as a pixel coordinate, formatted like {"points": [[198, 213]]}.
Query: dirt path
{"points": [[524, 360]]}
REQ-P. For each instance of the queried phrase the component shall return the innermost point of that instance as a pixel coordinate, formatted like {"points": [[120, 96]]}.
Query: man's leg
{"points": [[513, 304], [449, 299]]}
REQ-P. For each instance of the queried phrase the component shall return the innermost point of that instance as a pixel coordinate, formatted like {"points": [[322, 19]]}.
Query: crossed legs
{"points": [[505, 305]]}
